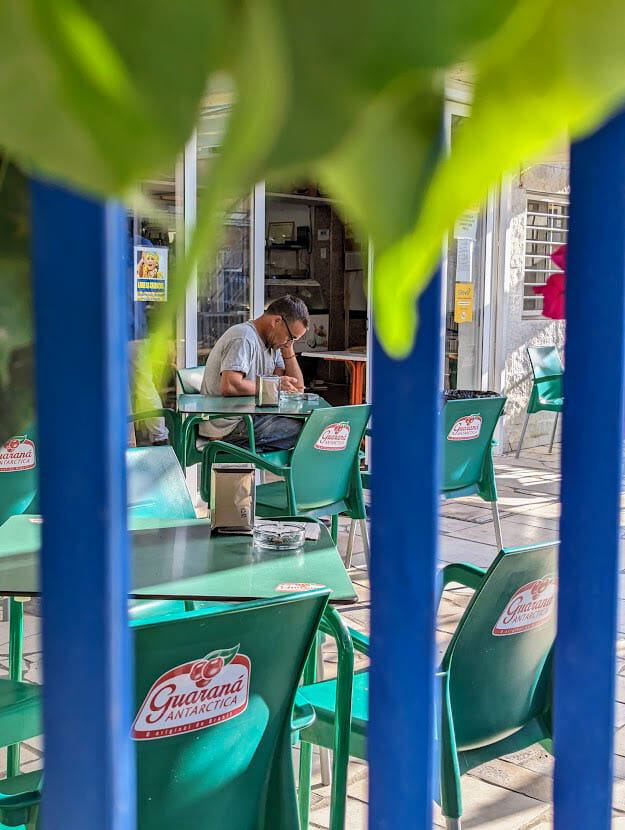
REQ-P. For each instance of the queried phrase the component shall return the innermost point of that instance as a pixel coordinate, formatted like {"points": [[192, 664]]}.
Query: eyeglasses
{"points": [[291, 337]]}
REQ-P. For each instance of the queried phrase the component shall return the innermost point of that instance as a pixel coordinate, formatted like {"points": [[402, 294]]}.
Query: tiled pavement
{"points": [[512, 793]]}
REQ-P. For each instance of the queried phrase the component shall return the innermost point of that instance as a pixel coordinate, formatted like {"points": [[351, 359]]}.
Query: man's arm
{"points": [[232, 384], [291, 371]]}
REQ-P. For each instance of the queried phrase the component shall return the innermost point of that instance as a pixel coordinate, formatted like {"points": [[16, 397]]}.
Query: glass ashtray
{"points": [[291, 396], [279, 535]]}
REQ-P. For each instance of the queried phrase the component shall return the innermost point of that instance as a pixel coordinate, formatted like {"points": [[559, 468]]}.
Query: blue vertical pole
{"points": [[78, 254], [405, 500], [592, 433]]}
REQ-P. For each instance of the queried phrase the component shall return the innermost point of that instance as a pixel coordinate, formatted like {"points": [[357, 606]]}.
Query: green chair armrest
{"points": [[462, 572], [303, 713], [214, 447], [360, 641], [548, 378], [465, 574]]}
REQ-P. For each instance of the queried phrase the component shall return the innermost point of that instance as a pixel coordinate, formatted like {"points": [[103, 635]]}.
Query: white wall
{"points": [[517, 332]]}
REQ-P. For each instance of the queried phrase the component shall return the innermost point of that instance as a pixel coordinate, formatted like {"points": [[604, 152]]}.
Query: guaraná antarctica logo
{"points": [[333, 437], [466, 429], [17, 454], [195, 695], [529, 607]]}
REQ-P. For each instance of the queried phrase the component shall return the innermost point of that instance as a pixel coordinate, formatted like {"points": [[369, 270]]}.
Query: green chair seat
{"points": [[19, 800], [553, 405], [322, 697], [272, 500]]}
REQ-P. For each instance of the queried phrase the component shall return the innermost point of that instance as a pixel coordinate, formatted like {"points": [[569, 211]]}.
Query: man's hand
{"points": [[288, 384]]}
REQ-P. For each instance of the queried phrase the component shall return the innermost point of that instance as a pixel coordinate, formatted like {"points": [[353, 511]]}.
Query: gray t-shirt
{"points": [[240, 349]]}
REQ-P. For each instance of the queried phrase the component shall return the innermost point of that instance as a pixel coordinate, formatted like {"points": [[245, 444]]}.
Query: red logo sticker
{"points": [[292, 587], [195, 695], [333, 437], [16, 454], [466, 429], [530, 607]]}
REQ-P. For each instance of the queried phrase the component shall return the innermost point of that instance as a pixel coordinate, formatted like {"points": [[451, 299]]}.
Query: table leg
{"points": [[356, 393], [16, 650]]}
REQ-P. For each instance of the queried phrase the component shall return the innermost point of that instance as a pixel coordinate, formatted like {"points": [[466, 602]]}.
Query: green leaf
{"points": [[103, 94], [227, 654], [565, 77], [341, 56]]}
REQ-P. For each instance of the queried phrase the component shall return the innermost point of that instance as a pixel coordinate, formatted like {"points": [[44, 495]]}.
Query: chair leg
{"points": [[16, 651], [305, 751], [453, 823], [335, 528], [553, 434], [497, 524], [324, 754], [350, 544], [365, 543], [527, 417]]}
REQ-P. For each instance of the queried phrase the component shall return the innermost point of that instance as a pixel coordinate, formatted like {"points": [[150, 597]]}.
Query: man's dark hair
{"points": [[289, 307]]}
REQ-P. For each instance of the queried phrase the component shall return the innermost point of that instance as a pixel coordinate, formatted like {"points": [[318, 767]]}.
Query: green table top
{"points": [[245, 405], [179, 559]]}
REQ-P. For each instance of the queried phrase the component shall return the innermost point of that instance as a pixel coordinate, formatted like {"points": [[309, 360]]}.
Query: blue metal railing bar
{"points": [[404, 544], [78, 257], [592, 434]]}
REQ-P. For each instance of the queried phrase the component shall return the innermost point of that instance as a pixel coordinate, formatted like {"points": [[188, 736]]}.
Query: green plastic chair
{"points": [[547, 394], [468, 426], [18, 488], [156, 484], [322, 477], [229, 766], [20, 719], [494, 679], [190, 379], [172, 422]]}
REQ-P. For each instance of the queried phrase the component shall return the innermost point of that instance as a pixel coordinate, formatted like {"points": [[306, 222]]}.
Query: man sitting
{"points": [[263, 346]]}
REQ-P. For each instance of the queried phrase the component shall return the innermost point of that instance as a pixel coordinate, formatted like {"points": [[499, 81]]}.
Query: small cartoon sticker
{"points": [[293, 587], [333, 437], [195, 695], [466, 429], [529, 607], [150, 274], [17, 454]]}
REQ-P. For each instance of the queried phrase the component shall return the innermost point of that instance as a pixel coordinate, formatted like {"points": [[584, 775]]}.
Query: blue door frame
{"points": [[78, 261]]}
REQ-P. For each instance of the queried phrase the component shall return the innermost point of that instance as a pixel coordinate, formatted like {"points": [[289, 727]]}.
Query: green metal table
{"points": [[197, 408], [179, 559]]}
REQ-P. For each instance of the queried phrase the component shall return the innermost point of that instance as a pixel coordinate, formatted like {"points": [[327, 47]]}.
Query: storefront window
{"points": [[465, 305], [152, 236], [224, 283]]}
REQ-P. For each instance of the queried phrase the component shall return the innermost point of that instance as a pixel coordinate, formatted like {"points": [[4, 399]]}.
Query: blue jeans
{"points": [[271, 432]]}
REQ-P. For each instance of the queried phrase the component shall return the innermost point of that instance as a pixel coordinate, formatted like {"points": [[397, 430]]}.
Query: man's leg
{"points": [[276, 432], [271, 432]]}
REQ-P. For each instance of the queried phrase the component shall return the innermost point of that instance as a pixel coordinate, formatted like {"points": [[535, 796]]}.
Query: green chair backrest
{"points": [[214, 693], [545, 360], [18, 473], [496, 656], [326, 453], [191, 379], [468, 427], [156, 484]]}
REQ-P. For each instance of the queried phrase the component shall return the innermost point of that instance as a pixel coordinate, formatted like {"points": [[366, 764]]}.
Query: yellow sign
{"points": [[463, 308]]}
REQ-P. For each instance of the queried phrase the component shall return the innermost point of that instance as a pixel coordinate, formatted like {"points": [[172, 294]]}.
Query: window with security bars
{"points": [[546, 228]]}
